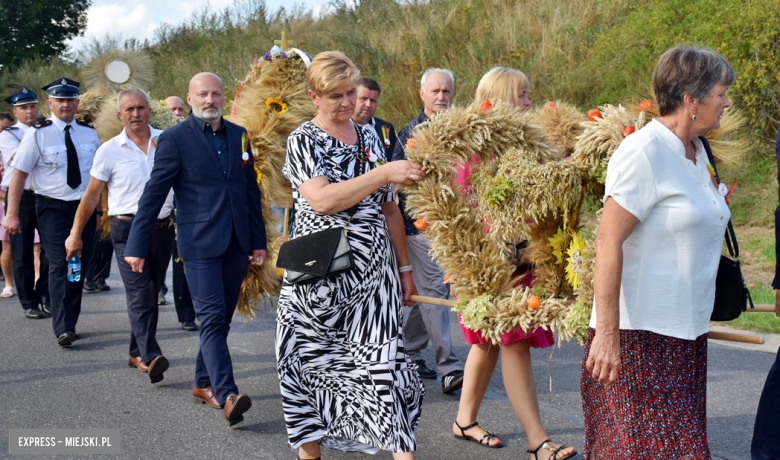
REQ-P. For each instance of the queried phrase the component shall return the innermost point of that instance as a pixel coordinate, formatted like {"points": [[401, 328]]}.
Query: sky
{"points": [[139, 18]]}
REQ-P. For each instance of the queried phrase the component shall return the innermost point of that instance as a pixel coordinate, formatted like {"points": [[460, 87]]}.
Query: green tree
{"points": [[38, 29]]}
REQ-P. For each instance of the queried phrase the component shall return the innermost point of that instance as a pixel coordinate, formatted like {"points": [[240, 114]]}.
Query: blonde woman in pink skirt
{"points": [[508, 85]]}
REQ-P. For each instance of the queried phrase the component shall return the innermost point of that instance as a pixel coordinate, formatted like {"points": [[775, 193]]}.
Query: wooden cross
{"points": [[283, 43]]}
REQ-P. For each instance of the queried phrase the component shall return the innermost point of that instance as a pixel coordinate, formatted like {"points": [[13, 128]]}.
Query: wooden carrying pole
{"points": [[734, 337], [730, 336], [761, 309]]}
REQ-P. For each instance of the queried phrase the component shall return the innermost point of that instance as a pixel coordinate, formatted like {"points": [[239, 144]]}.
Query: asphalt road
{"points": [[91, 386]]}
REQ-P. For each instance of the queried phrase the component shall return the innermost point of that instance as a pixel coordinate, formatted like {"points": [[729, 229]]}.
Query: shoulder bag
{"points": [[323, 254], [731, 293]]}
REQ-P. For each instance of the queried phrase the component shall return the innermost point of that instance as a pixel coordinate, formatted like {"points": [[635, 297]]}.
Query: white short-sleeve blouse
{"points": [[671, 259]]}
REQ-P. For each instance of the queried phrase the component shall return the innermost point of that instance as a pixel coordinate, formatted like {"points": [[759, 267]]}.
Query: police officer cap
{"points": [[63, 88], [24, 96]]}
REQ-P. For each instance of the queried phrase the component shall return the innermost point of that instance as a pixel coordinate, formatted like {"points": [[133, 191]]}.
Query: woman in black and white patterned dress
{"points": [[345, 378]]}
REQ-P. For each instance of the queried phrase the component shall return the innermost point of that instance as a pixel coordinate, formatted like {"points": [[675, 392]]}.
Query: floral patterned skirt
{"points": [[658, 407]]}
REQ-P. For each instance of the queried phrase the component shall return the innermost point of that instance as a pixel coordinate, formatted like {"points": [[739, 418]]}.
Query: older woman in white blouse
{"points": [[658, 247]]}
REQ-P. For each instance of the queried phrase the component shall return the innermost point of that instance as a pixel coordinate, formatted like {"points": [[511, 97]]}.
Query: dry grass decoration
{"points": [[97, 105], [100, 88], [534, 174], [273, 102], [93, 75]]}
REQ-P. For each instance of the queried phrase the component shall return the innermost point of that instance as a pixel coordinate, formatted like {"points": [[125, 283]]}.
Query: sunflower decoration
{"points": [[276, 105], [557, 242], [275, 85], [575, 261]]}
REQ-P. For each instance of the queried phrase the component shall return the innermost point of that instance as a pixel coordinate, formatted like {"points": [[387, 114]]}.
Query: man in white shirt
{"points": [[125, 163], [34, 296], [57, 154]]}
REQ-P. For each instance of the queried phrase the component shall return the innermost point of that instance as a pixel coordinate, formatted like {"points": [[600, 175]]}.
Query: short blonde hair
{"points": [[329, 70], [500, 84]]}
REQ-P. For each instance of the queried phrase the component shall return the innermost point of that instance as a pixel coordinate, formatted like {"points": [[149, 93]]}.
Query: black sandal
{"points": [[552, 456], [488, 437]]}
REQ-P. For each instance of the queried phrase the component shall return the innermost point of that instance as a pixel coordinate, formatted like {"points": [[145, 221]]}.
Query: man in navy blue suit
{"points": [[219, 223], [766, 431]]}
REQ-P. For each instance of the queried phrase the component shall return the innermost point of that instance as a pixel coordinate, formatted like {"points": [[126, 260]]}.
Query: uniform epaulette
{"points": [[42, 124], [10, 128], [84, 123]]}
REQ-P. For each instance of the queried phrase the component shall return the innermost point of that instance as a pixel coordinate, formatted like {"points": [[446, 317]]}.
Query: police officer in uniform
{"points": [[58, 154], [32, 295]]}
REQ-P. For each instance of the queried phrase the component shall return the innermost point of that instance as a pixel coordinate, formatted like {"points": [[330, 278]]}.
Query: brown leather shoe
{"points": [[138, 363], [235, 405], [156, 368], [204, 396]]}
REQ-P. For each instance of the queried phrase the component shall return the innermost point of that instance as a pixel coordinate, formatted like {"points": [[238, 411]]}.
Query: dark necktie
{"points": [[74, 171]]}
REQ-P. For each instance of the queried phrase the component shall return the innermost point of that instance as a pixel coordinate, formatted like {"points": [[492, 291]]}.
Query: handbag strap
{"points": [[731, 237], [358, 163]]}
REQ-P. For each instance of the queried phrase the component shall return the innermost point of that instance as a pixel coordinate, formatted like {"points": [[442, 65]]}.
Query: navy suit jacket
{"points": [[209, 203]]}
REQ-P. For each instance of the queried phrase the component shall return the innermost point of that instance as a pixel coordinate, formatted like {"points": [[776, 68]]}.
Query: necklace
{"points": [[363, 154], [322, 127]]}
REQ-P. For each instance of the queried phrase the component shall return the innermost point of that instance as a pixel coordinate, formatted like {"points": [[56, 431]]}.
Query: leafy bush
{"points": [[621, 61], [584, 51]]}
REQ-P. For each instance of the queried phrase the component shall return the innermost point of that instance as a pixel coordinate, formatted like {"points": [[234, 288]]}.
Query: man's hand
{"points": [[408, 288], [604, 357], [11, 224], [258, 257], [777, 302], [73, 245], [136, 263]]}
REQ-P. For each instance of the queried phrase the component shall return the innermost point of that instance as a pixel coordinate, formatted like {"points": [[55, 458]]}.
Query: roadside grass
{"points": [[758, 322]]}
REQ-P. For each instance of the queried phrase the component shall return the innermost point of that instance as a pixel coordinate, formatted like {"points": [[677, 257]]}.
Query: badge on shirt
{"points": [[245, 148]]}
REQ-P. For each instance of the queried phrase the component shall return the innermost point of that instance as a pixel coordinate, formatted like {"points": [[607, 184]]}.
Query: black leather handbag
{"points": [[317, 256], [323, 254], [731, 293]]}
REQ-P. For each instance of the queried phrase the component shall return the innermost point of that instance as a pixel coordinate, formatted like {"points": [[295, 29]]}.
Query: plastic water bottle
{"points": [[74, 269]]}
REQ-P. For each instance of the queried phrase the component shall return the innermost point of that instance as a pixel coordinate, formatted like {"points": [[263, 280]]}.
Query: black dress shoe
{"points": [[189, 326], [161, 299], [89, 286], [45, 310], [66, 338], [156, 368], [33, 313], [101, 285], [423, 370]]}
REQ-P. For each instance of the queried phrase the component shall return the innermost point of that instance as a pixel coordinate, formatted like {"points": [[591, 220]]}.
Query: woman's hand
{"points": [[604, 357], [408, 288], [403, 172]]}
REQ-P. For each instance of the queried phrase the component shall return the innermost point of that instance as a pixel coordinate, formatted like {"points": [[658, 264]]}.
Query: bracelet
{"points": [[404, 269]]}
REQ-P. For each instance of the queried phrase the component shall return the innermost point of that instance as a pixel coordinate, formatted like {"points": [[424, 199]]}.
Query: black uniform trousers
{"points": [[55, 219], [98, 267], [182, 298], [32, 294], [141, 288]]}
